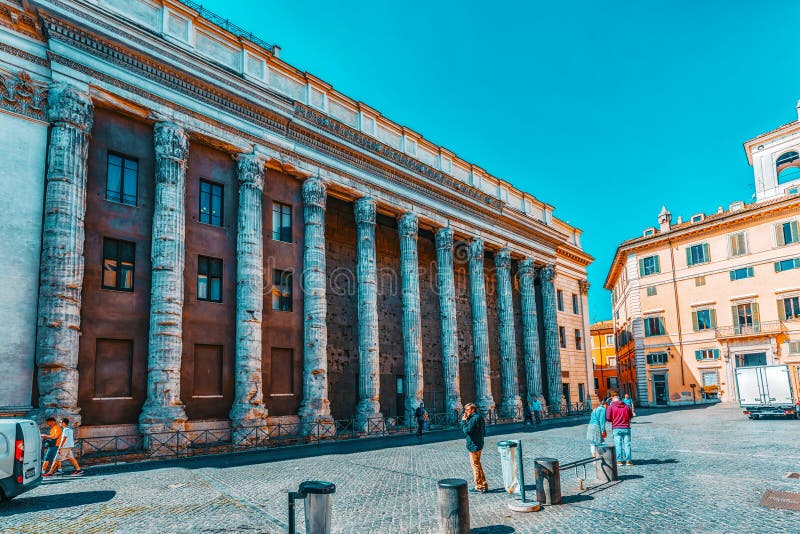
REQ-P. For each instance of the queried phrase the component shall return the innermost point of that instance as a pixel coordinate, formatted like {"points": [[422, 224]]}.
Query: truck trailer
{"points": [[765, 390]]}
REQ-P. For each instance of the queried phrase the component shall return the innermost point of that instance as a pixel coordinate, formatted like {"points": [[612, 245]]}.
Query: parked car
{"points": [[20, 457], [765, 390]]}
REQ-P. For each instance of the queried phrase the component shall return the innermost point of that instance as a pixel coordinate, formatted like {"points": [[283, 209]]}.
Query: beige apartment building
{"points": [[693, 300]]}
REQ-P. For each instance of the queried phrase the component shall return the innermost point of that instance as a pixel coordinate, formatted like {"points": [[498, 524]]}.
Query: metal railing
{"points": [[187, 443], [755, 329], [227, 24]]}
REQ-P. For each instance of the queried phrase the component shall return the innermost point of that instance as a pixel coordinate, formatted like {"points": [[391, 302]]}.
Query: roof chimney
{"points": [[680, 220], [664, 220]]}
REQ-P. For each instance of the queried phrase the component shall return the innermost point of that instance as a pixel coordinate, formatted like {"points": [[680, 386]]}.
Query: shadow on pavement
{"points": [[572, 499], [629, 477], [55, 502], [656, 461], [493, 529]]}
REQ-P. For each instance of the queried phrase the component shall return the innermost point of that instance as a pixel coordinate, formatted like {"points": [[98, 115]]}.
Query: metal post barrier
{"points": [[453, 506], [522, 504], [607, 464], [318, 497], [548, 480]]}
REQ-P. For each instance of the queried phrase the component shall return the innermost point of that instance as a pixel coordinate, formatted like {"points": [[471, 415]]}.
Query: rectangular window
{"points": [[118, 264], [654, 326], [794, 347], [649, 265], [651, 291], [745, 315], [581, 393], [697, 254], [711, 379], [612, 362], [706, 354], [575, 305], [739, 274], [611, 382], [209, 279], [789, 308], [699, 281], [562, 337], [787, 265], [121, 179], [282, 369], [207, 371], [281, 222], [609, 340], [578, 340], [113, 368], [737, 244], [560, 300], [281, 290], [704, 319], [786, 233], [657, 358], [211, 203]]}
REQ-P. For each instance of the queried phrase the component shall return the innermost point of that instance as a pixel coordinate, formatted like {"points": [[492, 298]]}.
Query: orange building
{"points": [[604, 358]]}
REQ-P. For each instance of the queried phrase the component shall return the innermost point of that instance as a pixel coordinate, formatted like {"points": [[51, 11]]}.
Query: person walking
{"points": [[50, 441], [66, 444], [421, 415], [474, 429], [536, 407], [627, 400], [527, 414], [620, 415], [596, 430]]}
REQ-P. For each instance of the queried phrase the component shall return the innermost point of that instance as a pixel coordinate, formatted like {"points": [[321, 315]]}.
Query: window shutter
{"points": [[695, 322], [713, 315], [689, 257], [754, 308], [658, 264], [778, 267], [706, 255], [698, 355], [661, 328], [779, 235], [750, 272], [733, 275], [716, 354], [641, 266], [781, 310], [793, 226], [647, 327], [735, 313]]}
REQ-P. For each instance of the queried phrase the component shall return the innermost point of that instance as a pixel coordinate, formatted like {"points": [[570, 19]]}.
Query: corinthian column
{"points": [[412, 331], [530, 330], [552, 353], [511, 405], [480, 328], [367, 280], [315, 407], [163, 409], [248, 403], [447, 314], [69, 111]]}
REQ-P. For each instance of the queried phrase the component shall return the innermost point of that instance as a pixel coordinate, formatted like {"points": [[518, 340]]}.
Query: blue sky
{"points": [[605, 109]]}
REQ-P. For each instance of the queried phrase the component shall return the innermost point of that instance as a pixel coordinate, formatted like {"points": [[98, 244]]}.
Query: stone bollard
{"points": [[548, 480], [453, 506], [607, 465]]}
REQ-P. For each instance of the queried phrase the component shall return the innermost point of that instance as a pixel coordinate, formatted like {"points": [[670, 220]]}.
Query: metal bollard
{"points": [[607, 465], [453, 506], [317, 497], [548, 480]]}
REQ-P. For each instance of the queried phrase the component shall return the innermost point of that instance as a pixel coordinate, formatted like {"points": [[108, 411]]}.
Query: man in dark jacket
{"points": [[421, 415], [620, 415], [474, 428]]}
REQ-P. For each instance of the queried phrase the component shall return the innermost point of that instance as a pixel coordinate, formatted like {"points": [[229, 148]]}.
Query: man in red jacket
{"points": [[620, 415]]}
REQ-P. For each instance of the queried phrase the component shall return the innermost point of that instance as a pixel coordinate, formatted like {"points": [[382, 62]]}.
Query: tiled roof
{"points": [[602, 325]]}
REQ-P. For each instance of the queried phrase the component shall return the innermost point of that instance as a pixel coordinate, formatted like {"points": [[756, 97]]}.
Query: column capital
{"points": [[171, 142], [583, 286], [526, 267], [444, 238], [548, 272], [476, 249], [314, 192], [365, 210], [69, 105], [250, 170], [408, 225], [502, 259]]}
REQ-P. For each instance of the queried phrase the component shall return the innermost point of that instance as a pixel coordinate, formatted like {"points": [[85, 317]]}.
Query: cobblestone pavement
{"points": [[701, 469]]}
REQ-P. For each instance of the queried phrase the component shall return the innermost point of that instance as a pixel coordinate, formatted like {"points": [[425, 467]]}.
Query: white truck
{"points": [[765, 390]]}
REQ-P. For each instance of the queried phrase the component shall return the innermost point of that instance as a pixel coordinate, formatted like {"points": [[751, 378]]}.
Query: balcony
{"points": [[754, 330]]}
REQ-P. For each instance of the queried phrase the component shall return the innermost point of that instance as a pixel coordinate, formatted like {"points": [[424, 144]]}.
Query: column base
{"points": [[156, 419], [248, 425], [369, 419], [485, 405], [454, 411], [511, 408]]}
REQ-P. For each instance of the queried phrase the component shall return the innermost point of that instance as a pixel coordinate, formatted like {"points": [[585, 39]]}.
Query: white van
{"points": [[20, 457]]}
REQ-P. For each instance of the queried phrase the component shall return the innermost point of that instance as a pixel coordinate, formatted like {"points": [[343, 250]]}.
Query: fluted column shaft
{"points": [[367, 311], [511, 405], [555, 392], [412, 329], [530, 330], [248, 402], [70, 113], [163, 409], [480, 328], [449, 328], [315, 406]]}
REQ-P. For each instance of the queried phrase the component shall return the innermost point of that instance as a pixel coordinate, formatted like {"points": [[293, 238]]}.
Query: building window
{"points": [[562, 337], [596, 384], [739, 274], [611, 361], [657, 358], [794, 347], [704, 319], [578, 341], [209, 279], [118, 264], [699, 281], [611, 382], [787, 265], [281, 222], [211, 203], [745, 315], [789, 308], [654, 326], [121, 179], [710, 378], [560, 300], [576, 309], [697, 254], [786, 233], [649, 265], [281, 290], [737, 244], [581, 393], [609, 340], [706, 354], [651, 291]]}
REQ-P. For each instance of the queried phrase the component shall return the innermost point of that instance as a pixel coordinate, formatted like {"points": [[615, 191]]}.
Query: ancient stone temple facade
{"points": [[200, 236]]}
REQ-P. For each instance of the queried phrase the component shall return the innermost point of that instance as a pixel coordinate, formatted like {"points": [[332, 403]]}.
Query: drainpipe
{"points": [[677, 307]]}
